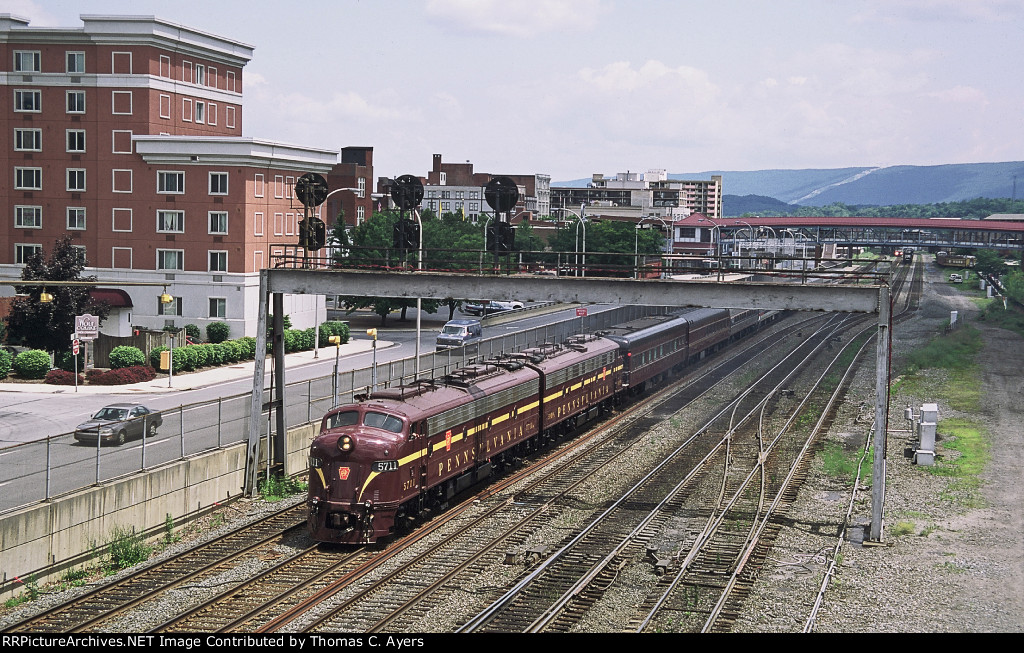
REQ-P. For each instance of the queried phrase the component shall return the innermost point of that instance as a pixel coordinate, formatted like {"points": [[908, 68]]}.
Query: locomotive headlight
{"points": [[346, 443]]}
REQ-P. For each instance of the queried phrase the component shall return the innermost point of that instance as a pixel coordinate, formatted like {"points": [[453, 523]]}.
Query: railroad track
{"points": [[403, 597], [98, 608]]}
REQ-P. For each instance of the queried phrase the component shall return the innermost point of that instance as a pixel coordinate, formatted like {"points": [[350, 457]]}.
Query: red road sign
{"points": [[581, 312], [74, 347]]}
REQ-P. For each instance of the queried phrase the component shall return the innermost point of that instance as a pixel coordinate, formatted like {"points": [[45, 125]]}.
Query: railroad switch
{"points": [[661, 565]]}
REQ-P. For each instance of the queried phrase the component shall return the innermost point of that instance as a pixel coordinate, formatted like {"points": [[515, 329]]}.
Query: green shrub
{"points": [[333, 328], [66, 361], [5, 363], [248, 347], [202, 359], [188, 357], [217, 332], [176, 359], [32, 364], [213, 355], [192, 331], [126, 356], [228, 352]]}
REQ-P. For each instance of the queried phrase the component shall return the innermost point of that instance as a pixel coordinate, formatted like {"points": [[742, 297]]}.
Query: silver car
{"points": [[118, 422]]}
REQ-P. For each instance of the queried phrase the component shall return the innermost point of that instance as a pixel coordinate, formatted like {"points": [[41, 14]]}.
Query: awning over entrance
{"points": [[114, 297]]}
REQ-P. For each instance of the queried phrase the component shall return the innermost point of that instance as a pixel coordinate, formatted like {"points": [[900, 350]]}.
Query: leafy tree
{"points": [[49, 325], [990, 262]]}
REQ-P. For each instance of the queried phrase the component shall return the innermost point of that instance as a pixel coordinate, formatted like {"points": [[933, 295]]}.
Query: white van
{"points": [[956, 278]]}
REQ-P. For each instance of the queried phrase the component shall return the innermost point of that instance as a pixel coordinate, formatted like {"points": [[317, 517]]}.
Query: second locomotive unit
{"points": [[395, 453]]}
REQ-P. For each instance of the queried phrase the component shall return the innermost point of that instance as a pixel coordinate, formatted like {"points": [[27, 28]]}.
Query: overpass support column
{"points": [[252, 456], [882, 346]]}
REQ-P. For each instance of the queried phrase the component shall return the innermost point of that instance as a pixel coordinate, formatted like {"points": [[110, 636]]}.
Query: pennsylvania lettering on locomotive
{"points": [[456, 461]]}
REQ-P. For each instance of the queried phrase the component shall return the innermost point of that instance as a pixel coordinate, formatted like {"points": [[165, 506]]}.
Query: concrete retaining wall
{"points": [[41, 542]]}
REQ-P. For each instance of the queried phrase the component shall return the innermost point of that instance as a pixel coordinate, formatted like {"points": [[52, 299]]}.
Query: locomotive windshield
{"points": [[383, 421], [347, 418]]}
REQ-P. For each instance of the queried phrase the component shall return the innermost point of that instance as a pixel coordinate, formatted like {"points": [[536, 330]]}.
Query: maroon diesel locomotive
{"points": [[397, 452]]}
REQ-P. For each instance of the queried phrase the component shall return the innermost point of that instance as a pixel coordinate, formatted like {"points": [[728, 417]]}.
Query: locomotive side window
{"points": [[383, 421], [347, 418]]}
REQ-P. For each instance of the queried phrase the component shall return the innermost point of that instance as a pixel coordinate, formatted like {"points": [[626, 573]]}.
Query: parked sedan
{"points": [[118, 422], [488, 308]]}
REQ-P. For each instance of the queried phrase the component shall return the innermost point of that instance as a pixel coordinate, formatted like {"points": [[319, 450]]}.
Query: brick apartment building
{"points": [[126, 135]]}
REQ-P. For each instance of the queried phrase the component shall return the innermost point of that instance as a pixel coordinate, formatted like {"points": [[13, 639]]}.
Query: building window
{"points": [[76, 101], [165, 66], [170, 259], [258, 223], [200, 112], [218, 183], [258, 189], [165, 106], [212, 77], [230, 81], [211, 113], [186, 71], [31, 101], [218, 222], [200, 74], [186, 110], [218, 261], [75, 140], [76, 218], [28, 217], [22, 253], [28, 179], [26, 61], [170, 222], [76, 180], [170, 182], [75, 62], [80, 252], [360, 214], [361, 184], [218, 307], [230, 120], [28, 140], [171, 308]]}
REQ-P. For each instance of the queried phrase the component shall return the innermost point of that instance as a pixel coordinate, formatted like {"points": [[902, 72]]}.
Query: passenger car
{"points": [[118, 422], [490, 307]]}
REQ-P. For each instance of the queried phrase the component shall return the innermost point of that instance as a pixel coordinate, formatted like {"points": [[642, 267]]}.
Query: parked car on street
{"points": [[488, 308], [118, 422]]}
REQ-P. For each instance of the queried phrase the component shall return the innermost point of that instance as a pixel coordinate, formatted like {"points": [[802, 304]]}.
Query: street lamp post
{"points": [[582, 222], [752, 238], [718, 242], [636, 241]]}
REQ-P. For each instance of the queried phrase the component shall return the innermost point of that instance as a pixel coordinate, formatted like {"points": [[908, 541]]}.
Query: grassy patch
{"points": [[126, 548], [1010, 319], [841, 464], [955, 353], [968, 445], [276, 488]]}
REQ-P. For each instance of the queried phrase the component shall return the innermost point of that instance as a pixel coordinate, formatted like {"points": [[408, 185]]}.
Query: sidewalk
{"points": [[359, 342], [202, 378]]}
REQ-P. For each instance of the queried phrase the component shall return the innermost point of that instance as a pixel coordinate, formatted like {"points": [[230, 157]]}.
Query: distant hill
{"points": [[736, 205], [865, 186]]}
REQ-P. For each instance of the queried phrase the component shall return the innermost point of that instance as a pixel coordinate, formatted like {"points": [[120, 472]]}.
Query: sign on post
{"points": [[87, 326], [581, 312], [75, 346]]}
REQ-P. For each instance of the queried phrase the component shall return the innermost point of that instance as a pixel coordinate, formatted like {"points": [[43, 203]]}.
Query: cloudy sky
{"points": [[573, 87]]}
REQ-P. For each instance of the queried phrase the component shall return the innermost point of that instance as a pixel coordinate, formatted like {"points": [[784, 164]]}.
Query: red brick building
{"points": [[126, 135]]}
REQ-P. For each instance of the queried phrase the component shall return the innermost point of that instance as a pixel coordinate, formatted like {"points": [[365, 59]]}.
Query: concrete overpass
{"points": [[873, 297]]}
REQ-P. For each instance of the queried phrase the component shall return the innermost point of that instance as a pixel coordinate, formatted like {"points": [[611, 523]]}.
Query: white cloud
{"points": [[516, 18]]}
